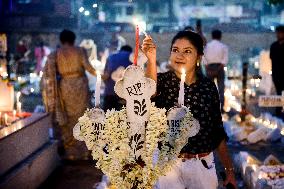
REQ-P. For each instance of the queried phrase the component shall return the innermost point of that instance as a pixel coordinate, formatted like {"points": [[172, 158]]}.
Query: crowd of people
{"points": [[67, 96]]}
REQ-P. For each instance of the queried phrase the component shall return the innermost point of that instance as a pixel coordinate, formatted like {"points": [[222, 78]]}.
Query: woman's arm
{"points": [[149, 49], [221, 137], [226, 161]]}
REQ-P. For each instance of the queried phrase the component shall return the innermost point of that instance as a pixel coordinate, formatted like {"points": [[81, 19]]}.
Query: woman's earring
{"points": [[198, 63]]}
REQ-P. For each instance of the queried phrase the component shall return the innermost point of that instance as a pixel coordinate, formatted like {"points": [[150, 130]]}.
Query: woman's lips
{"points": [[179, 62]]}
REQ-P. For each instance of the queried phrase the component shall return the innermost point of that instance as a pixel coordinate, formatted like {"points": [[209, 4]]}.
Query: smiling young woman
{"points": [[195, 168]]}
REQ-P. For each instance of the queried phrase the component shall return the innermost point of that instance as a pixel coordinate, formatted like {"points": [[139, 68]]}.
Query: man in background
{"points": [[215, 59], [277, 60], [115, 63]]}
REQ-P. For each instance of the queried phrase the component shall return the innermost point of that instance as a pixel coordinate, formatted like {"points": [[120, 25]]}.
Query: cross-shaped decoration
{"points": [[137, 90]]}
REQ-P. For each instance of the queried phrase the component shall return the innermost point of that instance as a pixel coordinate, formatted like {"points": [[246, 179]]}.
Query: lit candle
{"points": [[14, 114], [18, 97], [136, 45], [5, 119], [98, 89], [32, 77], [282, 131], [19, 107], [181, 88]]}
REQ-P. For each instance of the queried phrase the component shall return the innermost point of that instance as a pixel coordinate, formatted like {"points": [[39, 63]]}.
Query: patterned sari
{"points": [[66, 94]]}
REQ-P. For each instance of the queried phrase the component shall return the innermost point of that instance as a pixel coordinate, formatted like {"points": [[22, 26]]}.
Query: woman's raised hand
{"points": [[149, 49]]}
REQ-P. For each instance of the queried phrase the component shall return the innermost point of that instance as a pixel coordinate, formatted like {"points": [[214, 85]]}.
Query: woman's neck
{"points": [[189, 78]]}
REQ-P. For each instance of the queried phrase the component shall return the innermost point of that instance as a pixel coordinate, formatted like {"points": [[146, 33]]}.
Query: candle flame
{"points": [[183, 71]]}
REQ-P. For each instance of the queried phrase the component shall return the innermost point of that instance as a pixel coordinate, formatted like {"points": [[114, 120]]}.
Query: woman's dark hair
{"points": [[280, 28], [67, 36], [191, 36], [196, 40]]}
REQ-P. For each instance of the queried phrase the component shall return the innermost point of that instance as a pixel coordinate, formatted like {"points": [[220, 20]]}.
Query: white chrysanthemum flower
{"points": [[112, 151]]}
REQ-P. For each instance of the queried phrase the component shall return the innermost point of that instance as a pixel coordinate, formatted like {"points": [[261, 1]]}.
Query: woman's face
{"points": [[183, 56]]}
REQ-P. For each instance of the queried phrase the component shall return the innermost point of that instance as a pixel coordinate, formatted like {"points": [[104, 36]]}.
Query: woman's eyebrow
{"points": [[188, 48]]}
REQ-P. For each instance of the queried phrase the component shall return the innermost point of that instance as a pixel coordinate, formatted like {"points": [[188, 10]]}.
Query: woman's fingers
{"points": [[147, 37], [149, 43], [148, 46], [147, 40]]}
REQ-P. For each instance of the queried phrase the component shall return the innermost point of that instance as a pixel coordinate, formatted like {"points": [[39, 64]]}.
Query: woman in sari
{"points": [[66, 93]]}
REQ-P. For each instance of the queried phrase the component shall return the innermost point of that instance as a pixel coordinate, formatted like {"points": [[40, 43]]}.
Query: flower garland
{"points": [[115, 157]]}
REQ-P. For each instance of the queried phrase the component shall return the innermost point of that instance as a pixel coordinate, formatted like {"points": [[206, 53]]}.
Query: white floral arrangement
{"points": [[114, 156]]}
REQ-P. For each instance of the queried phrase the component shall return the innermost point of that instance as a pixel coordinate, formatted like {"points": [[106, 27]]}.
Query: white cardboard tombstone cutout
{"points": [[93, 132], [175, 116], [137, 90]]}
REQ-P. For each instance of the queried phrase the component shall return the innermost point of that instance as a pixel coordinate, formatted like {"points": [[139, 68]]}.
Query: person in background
{"points": [[198, 29], [195, 167], [215, 59], [116, 42], [22, 57], [277, 60], [41, 53], [188, 28], [65, 92], [115, 62]]}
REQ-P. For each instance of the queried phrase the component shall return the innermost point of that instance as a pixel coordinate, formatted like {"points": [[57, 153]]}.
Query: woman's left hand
{"points": [[230, 178], [149, 49]]}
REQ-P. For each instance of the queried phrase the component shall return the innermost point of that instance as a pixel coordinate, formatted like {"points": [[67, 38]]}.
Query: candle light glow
{"points": [[19, 107], [14, 114], [98, 89], [181, 88], [5, 119]]}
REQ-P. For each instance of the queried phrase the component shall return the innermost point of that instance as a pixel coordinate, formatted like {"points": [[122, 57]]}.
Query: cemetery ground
{"points": [[85, 175]]}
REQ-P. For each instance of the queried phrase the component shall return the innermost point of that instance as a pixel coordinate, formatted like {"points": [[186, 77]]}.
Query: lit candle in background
{"points": [[4, 74], [32, 77], [98, 89], [5, 119], [19, 107], [282, 131], [18, 97], [18, 104], [14, 114], [181, 88]]}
